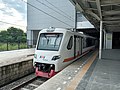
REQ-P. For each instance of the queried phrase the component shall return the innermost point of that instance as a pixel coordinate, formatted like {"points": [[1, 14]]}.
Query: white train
{"points": [[58, 47]]}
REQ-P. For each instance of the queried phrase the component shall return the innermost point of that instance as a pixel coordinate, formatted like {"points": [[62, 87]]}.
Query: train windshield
{"points": [[49, 41]]}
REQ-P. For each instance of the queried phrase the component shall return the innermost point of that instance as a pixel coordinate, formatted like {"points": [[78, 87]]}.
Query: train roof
{"points": [[52, 29], [63, 30]]}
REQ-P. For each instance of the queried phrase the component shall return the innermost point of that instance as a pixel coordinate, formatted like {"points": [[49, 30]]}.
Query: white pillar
{"points": [[75, 21], [29, 38], [100, 44], [32, 38], [104, 39]]}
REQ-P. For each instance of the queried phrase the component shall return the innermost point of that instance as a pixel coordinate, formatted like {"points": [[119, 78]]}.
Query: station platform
{"points": [[13, 56], [104, 74], [88, 73], [15, 64]]}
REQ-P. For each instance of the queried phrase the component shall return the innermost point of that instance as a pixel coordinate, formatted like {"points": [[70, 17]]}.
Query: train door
{"points": [[74, 46], [80, 45], [77, 46]]}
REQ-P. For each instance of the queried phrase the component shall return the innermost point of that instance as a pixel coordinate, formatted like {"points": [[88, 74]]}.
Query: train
{"points": [[56, 48]]}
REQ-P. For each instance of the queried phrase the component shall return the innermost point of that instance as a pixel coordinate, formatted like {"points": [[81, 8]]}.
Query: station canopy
{"points": [[95, 11]]}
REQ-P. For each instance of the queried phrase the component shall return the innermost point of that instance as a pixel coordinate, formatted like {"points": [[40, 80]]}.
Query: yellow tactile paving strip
{"points": [[74, 83]]}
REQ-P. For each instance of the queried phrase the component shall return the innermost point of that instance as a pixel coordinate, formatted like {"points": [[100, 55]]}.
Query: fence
{"points": [[6, 46]]}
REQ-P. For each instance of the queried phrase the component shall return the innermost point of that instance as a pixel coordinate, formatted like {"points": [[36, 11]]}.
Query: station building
{"points": [[52, 13]]}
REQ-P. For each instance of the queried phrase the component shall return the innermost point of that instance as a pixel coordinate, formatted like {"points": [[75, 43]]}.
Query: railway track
{"points": [[30, 84]]}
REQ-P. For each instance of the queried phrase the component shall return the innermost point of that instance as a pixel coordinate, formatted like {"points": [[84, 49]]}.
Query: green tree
{"points": [[24, 39], [3, 36], [15, 33]]}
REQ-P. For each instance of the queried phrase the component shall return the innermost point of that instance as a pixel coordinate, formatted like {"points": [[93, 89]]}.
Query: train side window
{"points": [[70, 43]]}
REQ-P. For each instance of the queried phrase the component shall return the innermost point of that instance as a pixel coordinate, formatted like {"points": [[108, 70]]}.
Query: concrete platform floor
{"points": [[8, 57], [64, 78], [104, 74]]}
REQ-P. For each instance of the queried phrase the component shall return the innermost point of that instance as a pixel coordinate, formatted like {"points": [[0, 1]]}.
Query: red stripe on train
{"points": [[72, 58]]}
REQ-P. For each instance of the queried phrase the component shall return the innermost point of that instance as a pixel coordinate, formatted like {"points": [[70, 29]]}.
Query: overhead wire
{"points": [[11, 24], [59, 9], [45, 13], [54, 10]]}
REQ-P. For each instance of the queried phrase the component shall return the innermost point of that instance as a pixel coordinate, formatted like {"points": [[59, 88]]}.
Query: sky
{"points": [[13, 12]]}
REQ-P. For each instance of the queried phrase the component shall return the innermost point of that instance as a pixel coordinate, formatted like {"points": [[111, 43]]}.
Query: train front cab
{"points": [[47, 55]]}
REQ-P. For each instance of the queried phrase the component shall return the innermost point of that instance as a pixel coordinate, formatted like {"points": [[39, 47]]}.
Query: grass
{"points": [[12, 46]]}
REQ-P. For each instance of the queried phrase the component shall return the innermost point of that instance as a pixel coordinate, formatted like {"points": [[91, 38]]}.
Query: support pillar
{"points": [[100, 44], [75, 21], [31, 38], [104, 39]]}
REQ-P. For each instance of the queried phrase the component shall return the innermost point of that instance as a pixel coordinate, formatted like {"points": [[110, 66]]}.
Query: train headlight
{"points": [[56, 57], [35, 56]]}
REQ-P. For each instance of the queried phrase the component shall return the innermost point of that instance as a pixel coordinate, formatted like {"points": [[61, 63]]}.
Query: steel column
{"points": [[100, 44]]}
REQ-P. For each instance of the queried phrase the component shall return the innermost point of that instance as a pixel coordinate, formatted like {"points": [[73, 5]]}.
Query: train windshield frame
{"points": [[49, 41]]}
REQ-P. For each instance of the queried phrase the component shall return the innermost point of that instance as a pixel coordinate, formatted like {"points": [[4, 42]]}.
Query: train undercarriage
{"points": [[45, 70]]}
